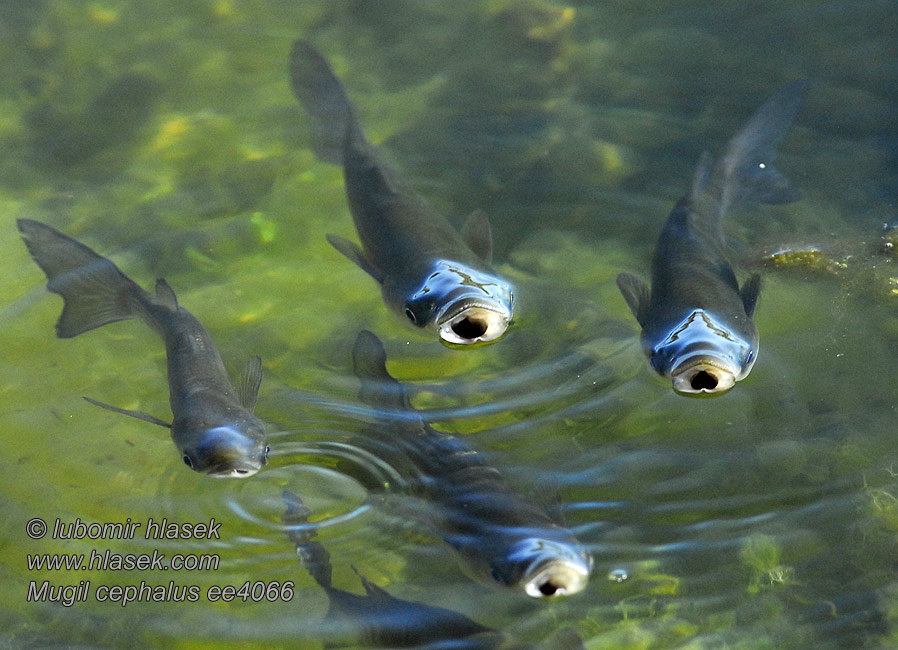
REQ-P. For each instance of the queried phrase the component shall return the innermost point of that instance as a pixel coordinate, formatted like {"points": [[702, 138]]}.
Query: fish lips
{"points": [[473, 320], [228, 453], [704, 374], [557, 578], [557, 569], [705, 355], [236, 469]]}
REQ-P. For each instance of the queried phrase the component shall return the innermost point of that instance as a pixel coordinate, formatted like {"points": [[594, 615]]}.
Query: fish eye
{"points": [[411, 315], [187, 461], [267, 450]]}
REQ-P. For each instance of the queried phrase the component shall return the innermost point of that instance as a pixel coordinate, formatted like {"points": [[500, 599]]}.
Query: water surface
{"points": [[165, 135]]}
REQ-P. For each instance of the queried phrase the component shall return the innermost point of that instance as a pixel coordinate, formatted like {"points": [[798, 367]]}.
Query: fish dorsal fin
{"points": [[749, 293], [371, 589], [705, 206], [140, 415], [478, 235], [369, 362], [354, 253], [166, 294], [702, 174], [248, 388], [637, 294]]}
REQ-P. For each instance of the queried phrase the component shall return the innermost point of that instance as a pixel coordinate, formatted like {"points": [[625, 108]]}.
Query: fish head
{"points": [[544, 568], [226, 451], [464, 304], [702, 355]]}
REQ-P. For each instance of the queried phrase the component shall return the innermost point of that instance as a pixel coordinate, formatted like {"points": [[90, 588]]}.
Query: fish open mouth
{"points": [[557, 578], [243, 470], [703, 375], [474, 324]]}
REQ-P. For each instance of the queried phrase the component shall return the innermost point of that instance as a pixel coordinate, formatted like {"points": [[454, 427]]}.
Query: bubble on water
{"points": [[618, 575]]}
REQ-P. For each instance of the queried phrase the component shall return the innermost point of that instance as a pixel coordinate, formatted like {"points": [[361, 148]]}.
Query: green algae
{"points": [[761, 556], [552, 116]]}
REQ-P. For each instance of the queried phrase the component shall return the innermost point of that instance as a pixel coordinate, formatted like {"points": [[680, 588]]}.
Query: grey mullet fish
{"points": [[437, 277], [377, 619], [213, 427], [696, 321], [499, 537]]}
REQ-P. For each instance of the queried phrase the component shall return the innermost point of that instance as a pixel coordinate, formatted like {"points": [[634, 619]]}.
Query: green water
{"points": [[165, 136]]}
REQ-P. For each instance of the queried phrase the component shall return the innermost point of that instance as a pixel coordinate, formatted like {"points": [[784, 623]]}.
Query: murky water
{"points": [[165, 135]]}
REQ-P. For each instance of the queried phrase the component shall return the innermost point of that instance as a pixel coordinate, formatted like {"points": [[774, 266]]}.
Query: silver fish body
{"points": [[430, 273], [213, 428], [697, 327], [499, 537], [379, 619]]}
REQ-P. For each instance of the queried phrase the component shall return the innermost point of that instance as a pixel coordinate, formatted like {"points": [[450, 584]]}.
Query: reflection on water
{"points": [[166, 136]]}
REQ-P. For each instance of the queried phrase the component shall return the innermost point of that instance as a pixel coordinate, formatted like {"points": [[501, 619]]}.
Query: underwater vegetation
{"points": [[167, 136]]}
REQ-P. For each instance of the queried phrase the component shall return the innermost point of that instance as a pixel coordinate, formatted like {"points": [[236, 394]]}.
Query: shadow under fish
{"points": [[377, 619], [213, 426], [499, 537], [697, 327], [436, 277]]}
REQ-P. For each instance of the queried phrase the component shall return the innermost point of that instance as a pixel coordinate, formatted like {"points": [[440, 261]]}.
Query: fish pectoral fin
{"points": [[354, 253], [749, 293], [140, 415], [248, 389], [637, 294], [478, 234], [166, 294]]}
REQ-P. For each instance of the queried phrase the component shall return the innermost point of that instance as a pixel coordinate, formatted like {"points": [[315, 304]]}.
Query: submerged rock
{"points": [[804, 258], [113, 118]]}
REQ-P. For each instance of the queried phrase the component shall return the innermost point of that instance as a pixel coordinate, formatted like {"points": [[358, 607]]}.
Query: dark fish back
{"points": [[397, 227], [377, 618]]}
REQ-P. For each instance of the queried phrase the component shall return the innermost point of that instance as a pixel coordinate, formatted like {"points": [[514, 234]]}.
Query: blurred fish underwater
{"points": [[382, 620], [167, 136], [500, 537]]}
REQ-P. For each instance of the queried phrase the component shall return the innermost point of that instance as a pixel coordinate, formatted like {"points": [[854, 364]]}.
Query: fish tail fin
{"points": [[312, 555], [95, 291], [369, 362], [746, 172], [316, 86]]}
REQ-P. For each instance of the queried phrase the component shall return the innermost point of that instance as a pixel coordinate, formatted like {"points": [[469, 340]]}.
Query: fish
{"points": [[213, 426], [500, 538], [697, 322], [438, 278], [378, 619]]}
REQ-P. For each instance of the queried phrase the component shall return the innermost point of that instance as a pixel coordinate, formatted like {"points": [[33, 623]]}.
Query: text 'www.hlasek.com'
{"points": [[68, 592]]}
